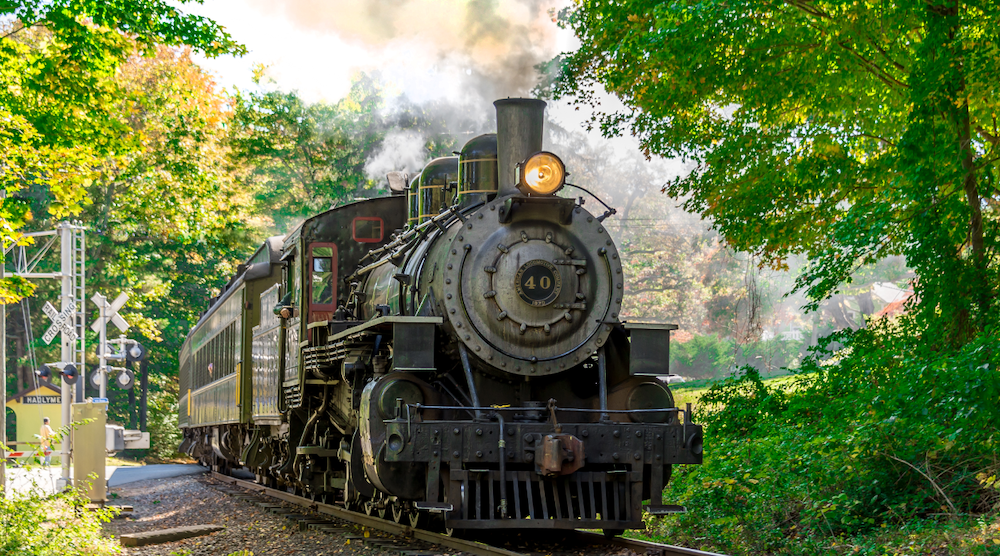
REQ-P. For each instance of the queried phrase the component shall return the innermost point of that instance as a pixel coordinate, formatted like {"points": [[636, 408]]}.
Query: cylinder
{"points": [[519, 135], [435, 182], [477, 170], [412, 202]]}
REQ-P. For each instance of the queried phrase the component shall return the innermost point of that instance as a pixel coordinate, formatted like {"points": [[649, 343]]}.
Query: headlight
{"points": [[541, 174], [650, 395]]}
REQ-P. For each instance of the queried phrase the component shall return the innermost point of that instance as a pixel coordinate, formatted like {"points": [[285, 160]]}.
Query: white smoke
{"points": [[450, 49], [401, 150]]}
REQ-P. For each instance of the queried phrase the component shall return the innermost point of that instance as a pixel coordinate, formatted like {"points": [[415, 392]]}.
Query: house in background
{"points": [[30, 407]]}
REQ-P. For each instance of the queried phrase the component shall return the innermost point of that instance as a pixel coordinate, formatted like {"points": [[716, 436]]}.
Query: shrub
{"points": [[164, 434], [713, 357], [707, 356], [33, 524], [887, 431]]}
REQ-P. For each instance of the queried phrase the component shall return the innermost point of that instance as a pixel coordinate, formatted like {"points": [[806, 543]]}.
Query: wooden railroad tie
{"points": [[168, 535]]}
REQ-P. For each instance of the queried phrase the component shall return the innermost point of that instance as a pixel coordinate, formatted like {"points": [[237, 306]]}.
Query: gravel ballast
{"points": [[190, 500]]}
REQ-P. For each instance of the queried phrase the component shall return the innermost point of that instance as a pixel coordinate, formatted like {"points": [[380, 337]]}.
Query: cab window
{"points": [[367, 229], [323, 277]]}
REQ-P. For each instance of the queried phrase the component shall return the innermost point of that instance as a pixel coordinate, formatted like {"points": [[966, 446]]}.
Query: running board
{"points": [[666, 509]]}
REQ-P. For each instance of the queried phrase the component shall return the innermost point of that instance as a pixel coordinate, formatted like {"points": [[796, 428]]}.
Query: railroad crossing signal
{"points": [[61, 322], [109, 312]]}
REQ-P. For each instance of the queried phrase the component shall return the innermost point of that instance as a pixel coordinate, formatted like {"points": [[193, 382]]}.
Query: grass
{"points": [[122, 462], [691, 392]]}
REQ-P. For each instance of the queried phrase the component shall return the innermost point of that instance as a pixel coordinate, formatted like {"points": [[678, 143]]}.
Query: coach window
{"points": [[367, 229], [322, 280]]}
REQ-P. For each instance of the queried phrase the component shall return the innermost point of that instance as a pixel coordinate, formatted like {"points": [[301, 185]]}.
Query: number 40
{"points": [[545, 282]]}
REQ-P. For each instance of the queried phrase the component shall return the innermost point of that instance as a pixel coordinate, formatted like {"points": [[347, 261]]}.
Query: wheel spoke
{"points": [[418, 519]]}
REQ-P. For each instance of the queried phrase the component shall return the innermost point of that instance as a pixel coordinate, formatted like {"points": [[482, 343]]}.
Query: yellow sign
{"points": [[30, 407]]}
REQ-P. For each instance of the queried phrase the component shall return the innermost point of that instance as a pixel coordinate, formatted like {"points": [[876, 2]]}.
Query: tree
{"points": [[65, 127], [302, 157], [847, 132], [58, 65], [169, 224]]}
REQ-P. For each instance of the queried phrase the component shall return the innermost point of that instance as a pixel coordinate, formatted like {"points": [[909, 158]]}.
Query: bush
{"points": [[714, 357], [164, 434], [889, 430], [39, 525], [707, 356]]}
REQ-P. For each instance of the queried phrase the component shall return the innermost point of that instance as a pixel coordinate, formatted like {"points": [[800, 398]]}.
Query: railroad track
{"points": [[580, 540]]}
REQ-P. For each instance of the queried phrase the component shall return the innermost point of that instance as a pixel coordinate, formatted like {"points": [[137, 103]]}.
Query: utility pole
{"points": [[68, 299], [3, 368], [103, 361]]}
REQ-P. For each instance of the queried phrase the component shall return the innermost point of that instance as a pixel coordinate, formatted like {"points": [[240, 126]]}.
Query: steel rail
{"points": [[648, 548], [393, 528]]}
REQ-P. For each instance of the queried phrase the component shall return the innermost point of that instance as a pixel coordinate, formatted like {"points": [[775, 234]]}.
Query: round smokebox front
{"points": [[533, 297]]}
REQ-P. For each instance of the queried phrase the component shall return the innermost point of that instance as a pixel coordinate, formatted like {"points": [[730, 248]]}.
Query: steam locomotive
{"points": [[451, 353]]}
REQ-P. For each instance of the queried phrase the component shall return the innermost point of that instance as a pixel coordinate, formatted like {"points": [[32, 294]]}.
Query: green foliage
{"points": [[164, 433], [59, 64], [743, 403], [303, 157], [300, 158], [846, 132], [148, 22], [886, 431], [34, 524], [703, 356], [171, 223], [710, 356]]}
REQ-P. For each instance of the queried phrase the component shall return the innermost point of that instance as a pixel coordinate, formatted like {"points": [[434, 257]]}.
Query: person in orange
{"points": [[46, 435]]}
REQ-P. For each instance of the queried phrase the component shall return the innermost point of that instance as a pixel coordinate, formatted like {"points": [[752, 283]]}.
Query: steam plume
{"points": [[485, 48]]}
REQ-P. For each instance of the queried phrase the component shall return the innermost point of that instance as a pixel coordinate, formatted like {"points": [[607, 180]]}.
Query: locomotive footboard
{"points": [[564, 475]]}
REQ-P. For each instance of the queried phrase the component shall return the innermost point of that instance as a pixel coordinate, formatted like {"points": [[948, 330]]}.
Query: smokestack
{"points": [[519, 135]]}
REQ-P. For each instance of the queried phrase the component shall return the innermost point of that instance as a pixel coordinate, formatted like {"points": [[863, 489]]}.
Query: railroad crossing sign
{"points": [[61, 322], [109, 312]]}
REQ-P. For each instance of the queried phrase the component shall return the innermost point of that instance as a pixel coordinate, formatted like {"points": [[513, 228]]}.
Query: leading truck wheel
{"points": [[612, 533]]}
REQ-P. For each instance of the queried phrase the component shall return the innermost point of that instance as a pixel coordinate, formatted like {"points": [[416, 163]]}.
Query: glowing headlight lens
{"points": [[543, 174]]}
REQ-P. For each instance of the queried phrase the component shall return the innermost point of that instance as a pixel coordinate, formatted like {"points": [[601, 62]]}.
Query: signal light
{"points": [[135, 353], [70, 374], [44, 373], [125, 379]]}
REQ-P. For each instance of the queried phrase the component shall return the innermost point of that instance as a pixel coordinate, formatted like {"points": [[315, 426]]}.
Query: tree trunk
{"points": [[23, 370], [143, 394]]}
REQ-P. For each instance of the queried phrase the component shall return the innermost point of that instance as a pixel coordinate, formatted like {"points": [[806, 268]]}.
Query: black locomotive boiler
{"points": [[453, 351]]}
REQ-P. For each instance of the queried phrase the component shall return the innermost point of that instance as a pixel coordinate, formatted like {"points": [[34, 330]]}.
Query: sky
{"points": [[458, 50]]}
